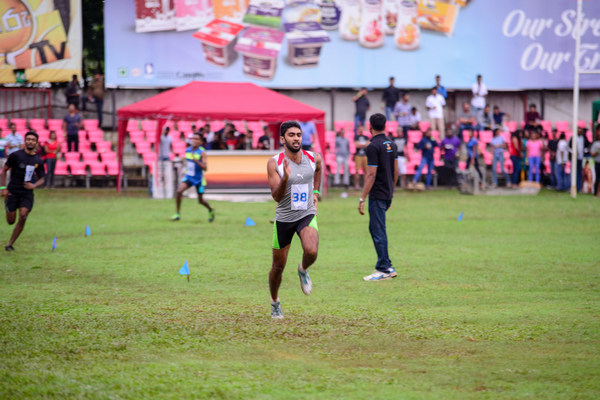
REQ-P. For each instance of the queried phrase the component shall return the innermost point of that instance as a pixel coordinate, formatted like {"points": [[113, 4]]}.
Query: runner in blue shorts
{"points": [[195, 157]]}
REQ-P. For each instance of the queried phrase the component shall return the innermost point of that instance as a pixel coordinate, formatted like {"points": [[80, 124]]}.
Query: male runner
{"points": [[195, 157], [27, 173], [294, 178]]}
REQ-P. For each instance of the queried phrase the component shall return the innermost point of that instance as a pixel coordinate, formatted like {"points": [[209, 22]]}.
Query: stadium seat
{"points": [[108, 156], [90, 157], [546, 126], [512, 126], [589, 136], [90, 124], [97, 168], [179, 147], [486, 136], [63, 146], [424, 125], [21, 123], [391, 126], [136, 136], [169, 124], [414, 136], [103, 146], [3, 124], [175, 135], [43, 135], [435, 135], [184, 126], [149, 125], [465, 135], [143, 147], [462, 165], [217, 125], [72, 156], [112, 168], [84, 146], [77, 168], [151, 136], [55, 124], [37, 124], [133, 125], [149, 158], [582, 124], [239, 126], [82, 135], [95, 135], [562, 126], [61, 168]]}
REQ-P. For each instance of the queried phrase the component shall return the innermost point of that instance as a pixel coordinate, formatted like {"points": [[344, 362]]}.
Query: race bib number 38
{"points": [[29, 169], [300, 197]]}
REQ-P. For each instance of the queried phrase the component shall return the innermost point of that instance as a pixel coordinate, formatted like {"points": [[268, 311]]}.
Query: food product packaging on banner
{"points": [[301, 12], [371, 24], [193, 14], [408, 33], [260, 48], [437, 15], [154, 15], [330, 14], [264, 13], [218, 39], [305, 40], [350, 19]]}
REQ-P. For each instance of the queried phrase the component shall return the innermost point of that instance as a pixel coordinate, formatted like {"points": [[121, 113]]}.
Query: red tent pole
{"points": [[122, 129], [274, 129], [320, 125]]}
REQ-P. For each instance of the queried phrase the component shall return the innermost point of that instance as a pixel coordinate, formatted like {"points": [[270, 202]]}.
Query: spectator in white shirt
{"points": [[14, 141], [562, 156], [414, 118], [435, 104], [478, 101]]}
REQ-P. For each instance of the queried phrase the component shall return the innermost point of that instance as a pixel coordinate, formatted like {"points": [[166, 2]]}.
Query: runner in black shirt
{"points": [[26, 173], [382, 173]]}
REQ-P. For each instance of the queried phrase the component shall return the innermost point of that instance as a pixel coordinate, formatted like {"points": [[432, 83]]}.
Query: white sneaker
{"points": [[305, 282], [276, 312], [378, 276]]}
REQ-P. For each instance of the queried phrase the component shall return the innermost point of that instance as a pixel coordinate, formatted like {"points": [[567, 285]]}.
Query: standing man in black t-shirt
{"points": [[26, 173], [382, 173], [389, 98], [362, 106]]}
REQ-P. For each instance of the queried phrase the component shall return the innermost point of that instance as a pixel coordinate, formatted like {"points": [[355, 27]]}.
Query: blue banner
{"points": [[514, 44]]}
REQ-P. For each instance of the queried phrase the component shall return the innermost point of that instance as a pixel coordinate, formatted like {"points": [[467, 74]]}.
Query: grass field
{"points": [[502, 305]]}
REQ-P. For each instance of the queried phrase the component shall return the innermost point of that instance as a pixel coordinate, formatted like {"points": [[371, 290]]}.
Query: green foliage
{"points": [[93, 36], [502, 305]]}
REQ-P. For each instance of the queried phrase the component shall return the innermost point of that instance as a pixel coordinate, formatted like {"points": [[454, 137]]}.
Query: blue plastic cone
{"points": [[249, 222], [88, 232], [54, 244], [185, 270], [460, 216]]}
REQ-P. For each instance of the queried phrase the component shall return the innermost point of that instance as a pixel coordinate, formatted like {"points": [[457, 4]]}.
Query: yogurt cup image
{"points": [[305, 40], [259, 48], [264, 13], [218, 39]]}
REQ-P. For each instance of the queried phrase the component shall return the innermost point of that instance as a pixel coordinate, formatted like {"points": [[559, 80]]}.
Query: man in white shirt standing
{"points": [[435, 104], [562, 157], [478, 101]]}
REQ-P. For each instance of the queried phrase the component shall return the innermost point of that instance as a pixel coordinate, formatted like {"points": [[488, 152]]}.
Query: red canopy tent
{"points": [[219, 101]]}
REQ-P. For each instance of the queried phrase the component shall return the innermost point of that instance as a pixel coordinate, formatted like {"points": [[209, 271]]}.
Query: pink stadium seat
{"points": [[465, 135], [410, 168], [589, 136], [63, 146], [184, 126], [108, 156], [546, 126], [72, 156], [505, 135], [55, 124], [77, 168], [254, 126], [568, 135], [133, 125], [90, 157], [3, 123], [179, 147], [150, 136], [143, 147], [37, 124], [103, 146], [136, 136], [43, 135], [486, 136], [414, 136], [84, 146], [512, 126], [169, 124], [21, 123], [508, 166], [82, 135], [435, 135], [330, 136], [112, 168], [462, 165], [239, 126], [90, 124], [97, 168], [61, 168], [95, 135], [581, 124], [424, 125], [562, 126], [390, 126], [149, 158], [217, 125], [149, 125], [175, 135]]}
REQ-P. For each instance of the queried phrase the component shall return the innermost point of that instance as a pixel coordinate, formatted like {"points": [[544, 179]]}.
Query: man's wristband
{"points": [[361, 200], [316, 192], [2, 187]]}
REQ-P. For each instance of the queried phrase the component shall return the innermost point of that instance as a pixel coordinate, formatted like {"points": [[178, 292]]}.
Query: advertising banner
{"points": [[514, 44], [40, 40]]}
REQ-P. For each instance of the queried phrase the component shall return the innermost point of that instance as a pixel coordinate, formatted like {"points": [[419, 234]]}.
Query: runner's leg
{"points": [[23, 213], [310, 245], [279, 261]]}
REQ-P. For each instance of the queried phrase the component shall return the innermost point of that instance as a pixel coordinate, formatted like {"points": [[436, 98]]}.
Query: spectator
{"points": [[242, 142], [498, 145], [435, 103], [165, 145], [389, 98], [96, 95], [595, 152], [582, 148], [52, 152], [450, 147], [360, 157], [552, 147], [73, 92], [466, 120], [402, 113], [498, 117], [473, 155], [478, 101], [14, 141], [400, 141], [440, 89], [208, 136], [230, 140], [588, 178], [414, 119], [532, 119], [265, 142], [71, 125], [426, 145], [562, 157], [3, 155], [487, 119], [308, 134], [342, 158], [362, 106]]}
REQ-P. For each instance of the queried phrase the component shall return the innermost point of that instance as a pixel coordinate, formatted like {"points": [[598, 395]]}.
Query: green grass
{"points": [[502, 305]]}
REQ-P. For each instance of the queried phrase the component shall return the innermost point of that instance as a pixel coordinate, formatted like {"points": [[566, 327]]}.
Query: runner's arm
{"points": [[277, 183], [317, 179], [3, 192], [202, 162]]}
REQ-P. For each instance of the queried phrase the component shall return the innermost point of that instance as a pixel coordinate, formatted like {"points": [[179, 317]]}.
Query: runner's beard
{"points": [[290, 148]]}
